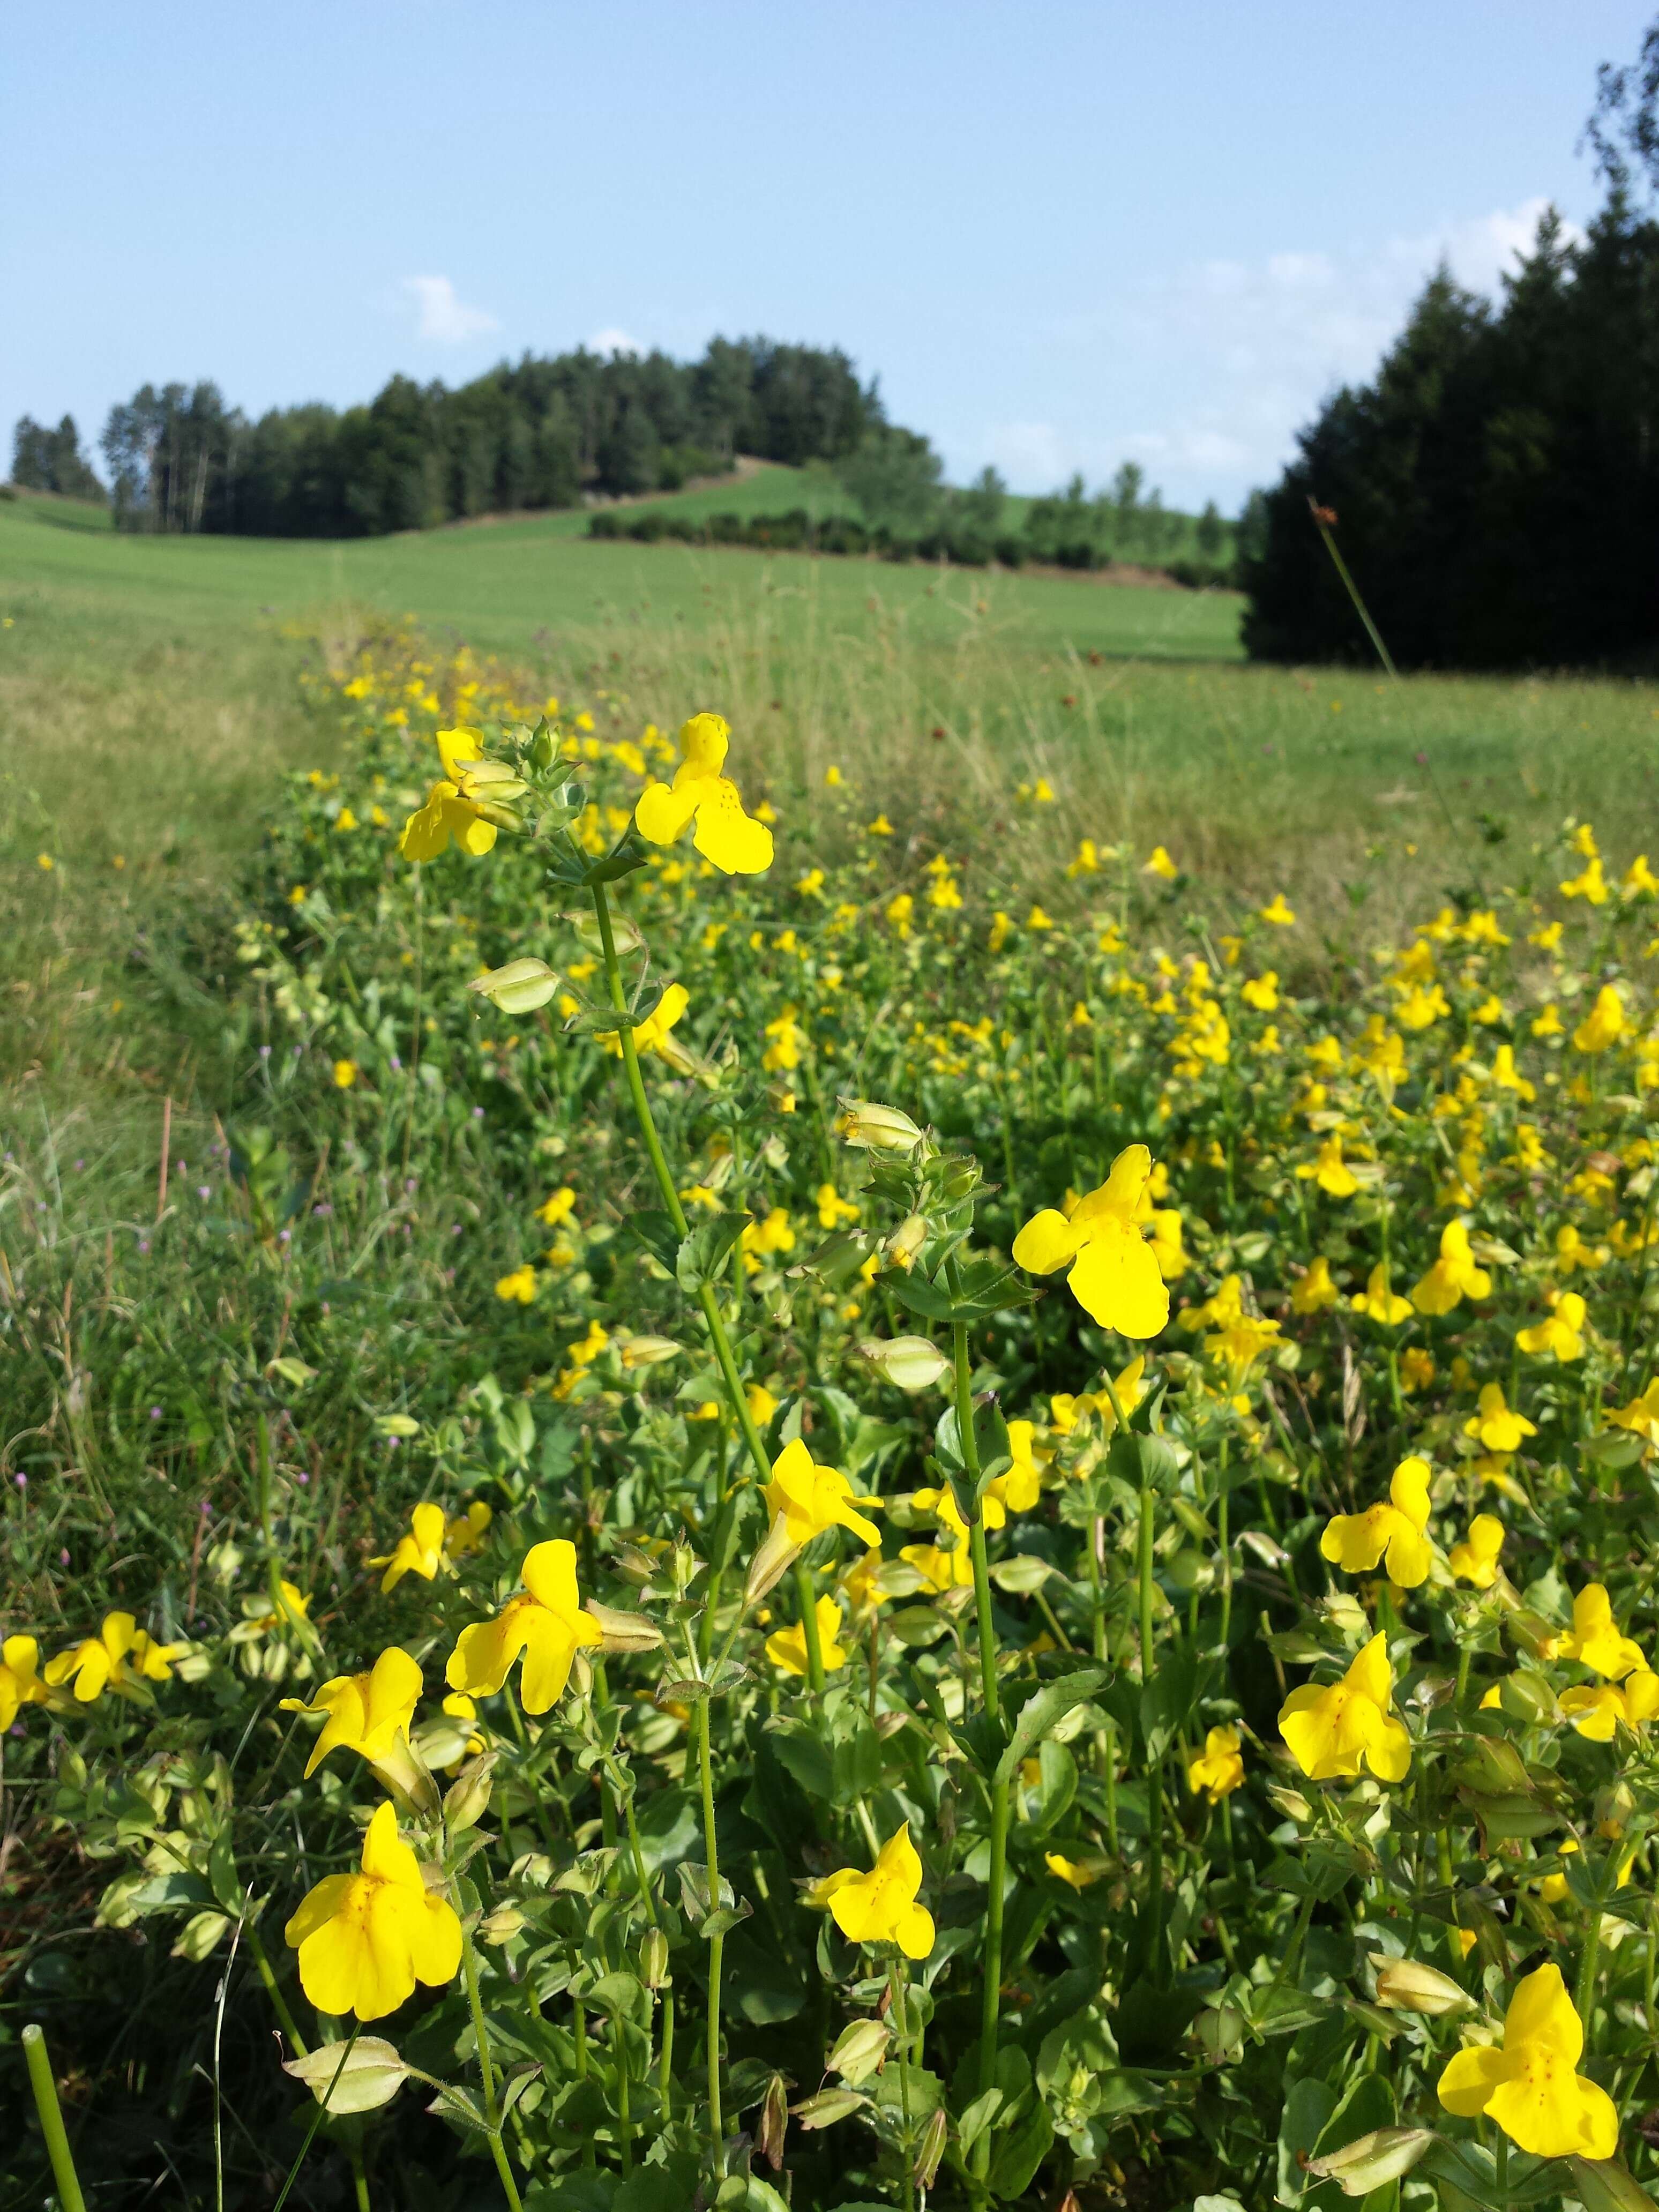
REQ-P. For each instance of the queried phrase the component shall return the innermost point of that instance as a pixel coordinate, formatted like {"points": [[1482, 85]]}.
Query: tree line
{"points": [[535, 434], [1496, 485]]}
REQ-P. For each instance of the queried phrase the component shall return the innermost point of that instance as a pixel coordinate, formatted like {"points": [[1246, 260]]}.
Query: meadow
{"points": [[1034, 1322]]}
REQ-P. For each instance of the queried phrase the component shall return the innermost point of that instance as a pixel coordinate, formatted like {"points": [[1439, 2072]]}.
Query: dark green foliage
{"points": [[51, 460], [1497, 485], [529, 435]]}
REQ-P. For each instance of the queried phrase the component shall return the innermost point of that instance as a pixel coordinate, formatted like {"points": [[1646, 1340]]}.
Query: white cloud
{"points": [[611, 340], [440, 316]]}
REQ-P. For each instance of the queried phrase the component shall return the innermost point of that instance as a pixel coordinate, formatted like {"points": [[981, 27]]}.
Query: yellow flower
{"points": [[364, 1939], [1001, 928], [1595, 1711], [1329, 1171], [786, 1647], [762, 1404], [1603, 1025], [1356, 1542], [1069, 1870], [880, 1906], [1314, 1289], [1114, 1274], [345, 1074], [45, 862], [1262, 992], [1416, 1369], [121, 1657], [810, 1498], [1641, 1416], [1165, 1241], [366, 1713], [420, 1552], [20, 1680], [1039, 920], [833, 1208], [1335, 1730], [468, 802], [520, 1285], [940, 1570], [1217, 1770], [735, 842], [545, 1623], [1476, 1560], [1530, 2085], [1453, 1275], [1493, 1424], [556, 1210], [465, 1533], [1548, 1024], [1591, 885], [652, 1035], [1594, 1640], [1639, 880], [1278, 911], [1161, 864], [1377, 1301], [1560, 1332]]}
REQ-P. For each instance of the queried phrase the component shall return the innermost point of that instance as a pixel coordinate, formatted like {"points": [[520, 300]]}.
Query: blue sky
{"points": [[1062, 234]]}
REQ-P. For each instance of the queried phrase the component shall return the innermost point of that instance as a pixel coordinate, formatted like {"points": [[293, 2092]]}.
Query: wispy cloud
{"points": [[611, 340], [441, 317], [1246, 350]]}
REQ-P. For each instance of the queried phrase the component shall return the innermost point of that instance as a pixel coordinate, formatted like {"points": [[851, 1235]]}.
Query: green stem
{"points": [[65, 2179], [638, 1851], [263, 1968], [716, 1943], [708, 1304], [901, 2024], [1154, 1766], [359, 2179], [624, 2115], [808, 1626], [486, 2073], [1223, 1499]]}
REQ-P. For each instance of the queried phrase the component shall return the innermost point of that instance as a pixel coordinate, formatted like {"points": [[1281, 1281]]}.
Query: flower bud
{"points": [[501, 1925], [625, 1631], [405, 1774], [774, 2123], [518, 988], [899, 1249], [910, 1362], [1372, 2161], [767, 1568], [859, 2050], [543, 748], [875, 1127], [1290, 1802], [1220, 2032], [1405, 1985], [644, 1351], [654, 1959], [930, 2149], [469, 1794], [357, 2079]]}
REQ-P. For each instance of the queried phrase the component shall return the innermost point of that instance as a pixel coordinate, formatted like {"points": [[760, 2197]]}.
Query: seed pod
{"points": [[1407, 1985], [932, 2149], [774, 2123]]}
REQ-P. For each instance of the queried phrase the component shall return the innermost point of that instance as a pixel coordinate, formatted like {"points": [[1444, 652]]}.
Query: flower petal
{"points": [[733, 840], [1116, 1279], [1470, 2079], [1047, 1241], [662, 812]]}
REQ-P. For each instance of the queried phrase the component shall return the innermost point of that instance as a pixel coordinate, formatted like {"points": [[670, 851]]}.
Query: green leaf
{"points": [[1018, 2154], [655, 1229], [701, 1255], [803, 1752], [1039, 1714], [918, 1296], [1604, 2185], [1178, 1683]]}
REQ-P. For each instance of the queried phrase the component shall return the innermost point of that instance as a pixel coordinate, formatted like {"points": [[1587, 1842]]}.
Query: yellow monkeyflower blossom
{"points": [[1165, 1236], [1416, 1369], [833, 1208], [1595, 1640], [419, 1552], [1591, 886], [1529, 2084], [1638, 880], [1494, 1425], [1454, 1276], [1332, 1175], [1379, 1301], [21, 1682], [122, 1658], [810, 1498], [520, 1285], [1560, 1334], [762, 1404], [1356, 1542], [940, 1570], [1077, 1873], [880, 1906], [1278, 911], [465, 1533], [467, 803], [1603, 1025], [1335, 1730], [1160, 864], [1113, 1272], [1314, 1289], [1595, 1710], [1218, 1769], [737, 843], [1641, 1416], [554, 1212], [1475, 1559], [545, 1623], [653, 1033], [1262, 992], [786, 1647], [345, 1074], [364, 1939], [366, 1713]]}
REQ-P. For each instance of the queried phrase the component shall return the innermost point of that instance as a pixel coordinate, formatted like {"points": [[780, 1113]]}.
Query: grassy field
{"points": [[297, 1232]]}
